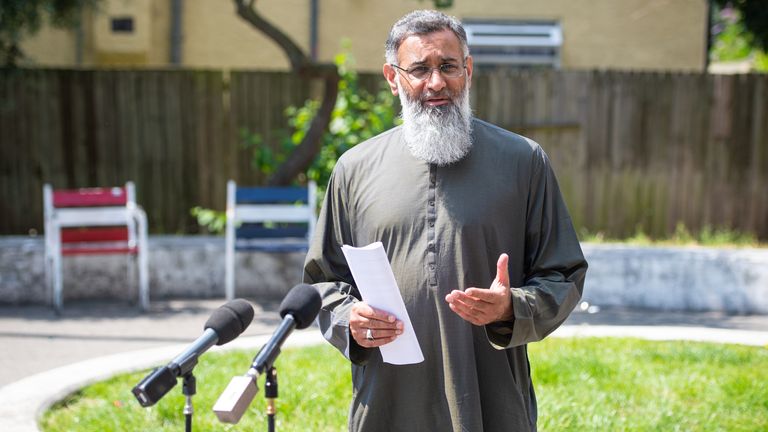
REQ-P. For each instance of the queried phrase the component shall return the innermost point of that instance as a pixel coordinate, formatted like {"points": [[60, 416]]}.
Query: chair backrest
{"points": [[91, 220], [256, 215]]}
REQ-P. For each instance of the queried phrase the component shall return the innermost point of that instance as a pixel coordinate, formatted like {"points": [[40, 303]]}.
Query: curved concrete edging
{"points": [[24, 401]]}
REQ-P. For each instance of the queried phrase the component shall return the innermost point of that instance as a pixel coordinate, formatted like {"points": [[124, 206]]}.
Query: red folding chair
{"points": [[94, 221]]}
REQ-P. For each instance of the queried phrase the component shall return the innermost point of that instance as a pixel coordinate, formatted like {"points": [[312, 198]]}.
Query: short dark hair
{"points": [[422, 22]]}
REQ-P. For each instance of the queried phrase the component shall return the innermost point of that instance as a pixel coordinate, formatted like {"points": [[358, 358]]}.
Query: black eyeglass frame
{"points": [[409, 72]]}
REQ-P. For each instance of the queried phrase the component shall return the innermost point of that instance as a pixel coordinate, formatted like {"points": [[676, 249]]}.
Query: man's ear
{"points": [[390, 74], [469, 71]]}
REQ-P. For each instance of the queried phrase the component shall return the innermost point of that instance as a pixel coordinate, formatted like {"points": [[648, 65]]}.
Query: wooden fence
{"points": [[632, 150], [177, 134], [645, 150]]}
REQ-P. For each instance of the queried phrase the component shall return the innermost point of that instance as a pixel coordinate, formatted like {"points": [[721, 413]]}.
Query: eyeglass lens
{"points": [[448, 70]]}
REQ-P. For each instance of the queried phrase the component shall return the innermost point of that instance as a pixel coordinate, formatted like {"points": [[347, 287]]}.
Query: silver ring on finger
{"points": [[369, 334]]}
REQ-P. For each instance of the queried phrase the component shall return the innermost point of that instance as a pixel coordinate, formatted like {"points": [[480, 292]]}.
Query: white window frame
{"points": [[524, 43]]}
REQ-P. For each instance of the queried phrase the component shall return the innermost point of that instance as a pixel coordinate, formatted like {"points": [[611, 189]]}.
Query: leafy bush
{"points": [[707, 236], [357, 116], [733, 39]]}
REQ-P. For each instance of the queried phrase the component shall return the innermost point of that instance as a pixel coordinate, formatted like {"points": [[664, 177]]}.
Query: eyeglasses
{"points": [[421, 73]]}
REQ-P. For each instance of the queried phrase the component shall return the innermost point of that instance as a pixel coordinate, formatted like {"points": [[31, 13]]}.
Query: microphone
{"points": [[298, 309], [225, 324]]}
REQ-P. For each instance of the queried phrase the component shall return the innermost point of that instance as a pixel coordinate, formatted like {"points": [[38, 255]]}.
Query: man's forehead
{"points": [[419, 47]]}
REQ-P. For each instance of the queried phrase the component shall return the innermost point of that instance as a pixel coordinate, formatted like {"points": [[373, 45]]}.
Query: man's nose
{"points": [[436, 82]]}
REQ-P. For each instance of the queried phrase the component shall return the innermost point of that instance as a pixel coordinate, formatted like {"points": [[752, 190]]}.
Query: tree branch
{"points": [[302, 156], [296, 56]]}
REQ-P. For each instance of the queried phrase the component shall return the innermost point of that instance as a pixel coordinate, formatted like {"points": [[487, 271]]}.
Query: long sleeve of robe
{"points": [[444, 228]]}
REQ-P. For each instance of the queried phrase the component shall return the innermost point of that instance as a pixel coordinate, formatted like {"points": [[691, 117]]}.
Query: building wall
{"points": [[603, 34], [215, 36], [160, 30], [625, 34], [51, 47], [118, 48]]}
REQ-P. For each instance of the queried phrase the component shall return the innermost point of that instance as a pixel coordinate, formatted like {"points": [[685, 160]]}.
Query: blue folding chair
{"points": [[268, 219]]}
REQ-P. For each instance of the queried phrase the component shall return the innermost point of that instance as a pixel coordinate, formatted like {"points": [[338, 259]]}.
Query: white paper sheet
{"points": [[376, 283]]}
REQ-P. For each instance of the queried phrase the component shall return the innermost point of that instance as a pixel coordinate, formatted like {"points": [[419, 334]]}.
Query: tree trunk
{"points": [[301, 158]]}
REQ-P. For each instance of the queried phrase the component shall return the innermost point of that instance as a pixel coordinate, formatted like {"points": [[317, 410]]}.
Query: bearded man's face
{"points": [[433, 81]]}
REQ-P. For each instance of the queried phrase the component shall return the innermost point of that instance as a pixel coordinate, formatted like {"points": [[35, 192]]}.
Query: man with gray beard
{"points": [[437, 134], [479, 239]]}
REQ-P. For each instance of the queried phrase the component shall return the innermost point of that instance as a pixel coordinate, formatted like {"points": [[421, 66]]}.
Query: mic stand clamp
{"points": [[188, 388], [270, 393]]}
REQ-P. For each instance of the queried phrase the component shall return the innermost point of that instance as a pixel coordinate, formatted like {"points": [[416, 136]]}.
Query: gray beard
{"points": [[438, 135]]}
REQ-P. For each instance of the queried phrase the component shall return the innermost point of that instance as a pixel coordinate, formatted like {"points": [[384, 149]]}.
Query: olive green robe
{"points": [[443, 229]]}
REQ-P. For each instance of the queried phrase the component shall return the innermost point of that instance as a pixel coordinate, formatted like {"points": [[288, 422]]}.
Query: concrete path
{"points": [[35, 340], [45, 357]]}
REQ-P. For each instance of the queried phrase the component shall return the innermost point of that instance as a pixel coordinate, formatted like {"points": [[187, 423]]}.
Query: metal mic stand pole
{"points": [[270, 393], [188, 388]]}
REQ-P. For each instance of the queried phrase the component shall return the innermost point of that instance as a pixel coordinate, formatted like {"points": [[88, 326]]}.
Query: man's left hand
{"points": [[482, 306]]}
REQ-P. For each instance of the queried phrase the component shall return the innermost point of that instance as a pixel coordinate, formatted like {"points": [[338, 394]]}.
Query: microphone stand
{"points": [[270, 393], [188, 388]]}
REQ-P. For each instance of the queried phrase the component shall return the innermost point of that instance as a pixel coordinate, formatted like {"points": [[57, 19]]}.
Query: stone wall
{"points": [[680, 278], [698, 279], [179, 267]]}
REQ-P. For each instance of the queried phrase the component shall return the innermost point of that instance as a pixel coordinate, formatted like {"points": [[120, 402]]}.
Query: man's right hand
{"points": [[384, 326]]}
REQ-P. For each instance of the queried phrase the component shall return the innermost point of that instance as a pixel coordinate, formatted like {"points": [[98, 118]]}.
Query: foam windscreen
{"points": [[230, 320], [303, 302]]}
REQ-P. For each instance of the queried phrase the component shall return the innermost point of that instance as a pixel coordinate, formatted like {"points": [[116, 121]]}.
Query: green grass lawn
{"points": [[584, 384]]}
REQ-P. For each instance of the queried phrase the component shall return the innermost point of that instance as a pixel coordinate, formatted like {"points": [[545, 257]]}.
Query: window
{"points": [[525, 43], [122, 24]]}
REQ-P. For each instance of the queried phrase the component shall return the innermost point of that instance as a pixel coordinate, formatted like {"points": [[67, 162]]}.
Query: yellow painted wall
{"points": [[216, 37], [50, 47], [619, 34], [134, 42], [160, 44], [615, 34]]}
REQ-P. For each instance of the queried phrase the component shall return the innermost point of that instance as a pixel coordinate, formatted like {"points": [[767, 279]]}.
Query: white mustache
{"points": [[437, 134], [443, 94]]}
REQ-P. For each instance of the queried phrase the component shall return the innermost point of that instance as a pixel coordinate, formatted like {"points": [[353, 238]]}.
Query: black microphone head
{"points": [[303, 302], [230, 320]]}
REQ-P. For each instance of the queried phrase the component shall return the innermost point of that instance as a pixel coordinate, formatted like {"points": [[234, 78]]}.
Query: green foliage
{"points": [[357, 116], [582, 384], [213, 221], [22, 18], [761, 61], [754, 16], [740, 32], [732, 43], [707, 236], [441, 4]]}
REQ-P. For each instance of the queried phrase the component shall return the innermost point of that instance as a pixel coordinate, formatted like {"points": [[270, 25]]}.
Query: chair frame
{"points": [[264, 212], [56, 218]]}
